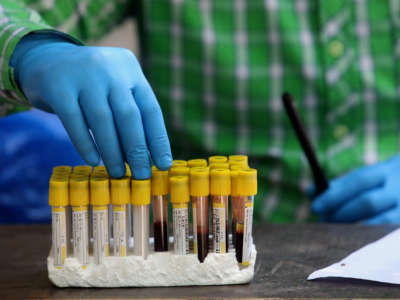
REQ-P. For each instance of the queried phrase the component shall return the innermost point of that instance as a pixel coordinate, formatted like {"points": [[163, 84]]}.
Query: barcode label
{"points": [[248, 225], [59, 232], [181, 231], [218, 218], [80, 233], [100, 235], [119, 225]]}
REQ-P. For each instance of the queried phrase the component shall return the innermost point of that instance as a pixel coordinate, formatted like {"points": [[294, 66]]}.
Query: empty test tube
{"points": [[199, 192], [120, 199], [217, 159], [159, 201], [179, 189], [141, 200], [79, 198], [100, 199], [220, 189], [59, 201], [198, 162], [179, 163], [247, 188]]}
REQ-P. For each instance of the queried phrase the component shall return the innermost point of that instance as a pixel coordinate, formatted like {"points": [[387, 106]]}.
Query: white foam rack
{"points": [[159, 269]]}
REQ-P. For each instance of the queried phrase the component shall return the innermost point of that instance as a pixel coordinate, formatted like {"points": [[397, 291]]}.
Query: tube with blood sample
{"points": [[179, 189], [220, 185], [120, 199], [247, 188], [100, 199], [79, 198], [59, 201], [140, 197], [159, 201], [198, 162], [199, 192]]}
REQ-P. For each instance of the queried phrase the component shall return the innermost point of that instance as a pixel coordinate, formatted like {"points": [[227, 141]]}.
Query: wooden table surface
{"points": [[287, 254]]}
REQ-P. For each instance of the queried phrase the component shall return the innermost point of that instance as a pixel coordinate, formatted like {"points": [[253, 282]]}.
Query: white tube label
{"points": [[248, 225], [181, 230], [119, 232], [100, 234], [80, 233], [194, 217], [219, 230], [59, 235]]}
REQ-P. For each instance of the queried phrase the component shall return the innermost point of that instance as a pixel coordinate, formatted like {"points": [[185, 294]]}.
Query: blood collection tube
{"points": [[235, 201], [159, 200], [82, 169], [140, 196], [179, 163], [198, 162], [217, 159], [247, 188], [219, 165], [179, 189], [79, 198], [199, 192], [238, 159], [59, 201], [178, 171], [100, 199], [220, 189], [120, 199]]}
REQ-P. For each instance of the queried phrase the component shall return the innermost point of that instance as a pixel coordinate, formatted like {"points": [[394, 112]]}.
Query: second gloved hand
{"points": [[98, 88], [369, 194]]}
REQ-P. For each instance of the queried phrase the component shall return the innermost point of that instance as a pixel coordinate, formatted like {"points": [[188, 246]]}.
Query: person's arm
{"points": [[70, 20], [100, 94]]}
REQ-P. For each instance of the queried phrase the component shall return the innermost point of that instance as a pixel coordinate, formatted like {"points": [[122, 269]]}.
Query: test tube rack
{"points": [[78, 259]]}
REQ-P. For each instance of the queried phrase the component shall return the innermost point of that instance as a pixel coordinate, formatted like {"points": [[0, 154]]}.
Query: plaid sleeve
{"points": [[86, 20]]}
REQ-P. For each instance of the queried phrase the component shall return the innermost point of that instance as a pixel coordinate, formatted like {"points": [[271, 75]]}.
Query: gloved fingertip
{"points": [[317, 207], [141, 173], [165, 162], [92, 158], [117, 171]]}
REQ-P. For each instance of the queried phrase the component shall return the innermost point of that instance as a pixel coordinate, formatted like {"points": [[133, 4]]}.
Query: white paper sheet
{"points": [[378, 261]]}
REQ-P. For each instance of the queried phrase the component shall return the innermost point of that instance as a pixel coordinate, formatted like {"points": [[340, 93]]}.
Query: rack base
{"points": [[160, 269]]}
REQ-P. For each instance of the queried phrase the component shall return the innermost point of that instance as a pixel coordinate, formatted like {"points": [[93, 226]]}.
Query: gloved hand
{"points": [[370, 194], [98, 88]]}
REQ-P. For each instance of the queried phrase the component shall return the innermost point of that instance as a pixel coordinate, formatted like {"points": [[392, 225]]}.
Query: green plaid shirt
{"points": [[219, 68]]}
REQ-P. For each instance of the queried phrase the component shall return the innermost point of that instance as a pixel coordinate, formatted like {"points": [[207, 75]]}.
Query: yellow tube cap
{"points": [[178, 171], [159, 182], [58, 191], [238, 158], [219, 165], [247, 182], [120, 191], [220, 182], [217, 159], [128, 172], [179, 163], [62, 169], [234, 183], [99, 168], [198, 162], [79, 190], [140, 192], [179, 187], [199, 181], [99, 190], [83, 169]]}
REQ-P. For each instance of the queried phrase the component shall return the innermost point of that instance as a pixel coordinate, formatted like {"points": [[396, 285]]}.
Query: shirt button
{"points": [[340, 132], [336, 48]]}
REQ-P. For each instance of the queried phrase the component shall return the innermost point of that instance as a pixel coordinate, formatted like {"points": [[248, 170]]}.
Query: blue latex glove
{"points": [[98, 88], [370, 194]]}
